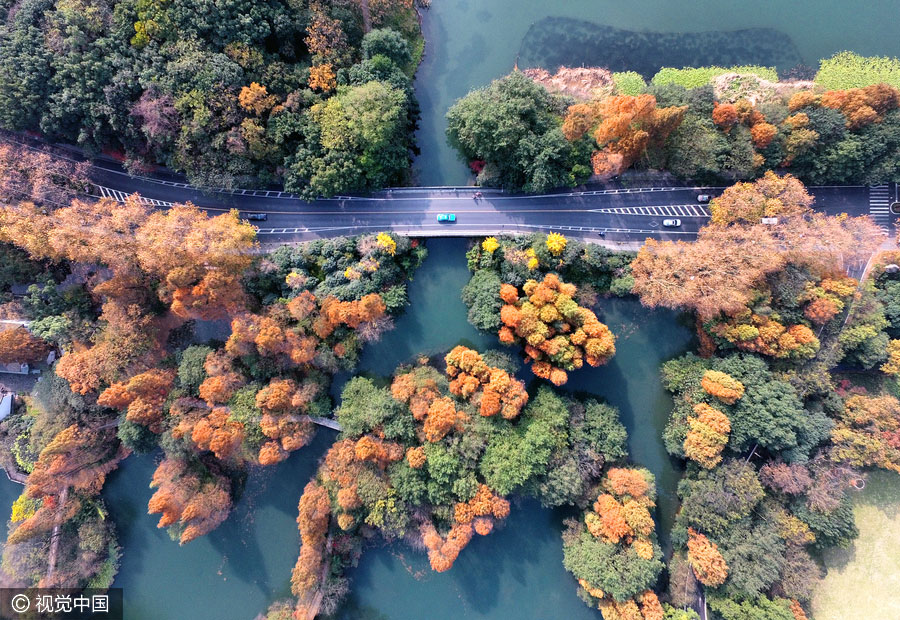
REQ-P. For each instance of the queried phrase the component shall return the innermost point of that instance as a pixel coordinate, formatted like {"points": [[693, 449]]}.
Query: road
{"points": [[621, 214]]}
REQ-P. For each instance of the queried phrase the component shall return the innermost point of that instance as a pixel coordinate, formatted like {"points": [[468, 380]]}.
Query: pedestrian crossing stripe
{"points": [[659, 210]]}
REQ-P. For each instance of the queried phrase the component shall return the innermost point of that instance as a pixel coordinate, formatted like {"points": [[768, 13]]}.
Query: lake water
{"points": [[516, 572], [471, 42], [238, 569]]}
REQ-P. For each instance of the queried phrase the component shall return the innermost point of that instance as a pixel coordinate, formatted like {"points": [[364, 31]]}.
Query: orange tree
{"points": [[612, 550], [557, 333]]}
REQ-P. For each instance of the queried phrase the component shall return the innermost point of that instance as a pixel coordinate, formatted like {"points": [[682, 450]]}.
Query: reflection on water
{"points": [[238, 569], [233, 572], [471, 42], [556, 41]]}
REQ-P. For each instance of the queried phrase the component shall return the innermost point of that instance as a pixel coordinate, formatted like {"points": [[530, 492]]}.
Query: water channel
{"points": [[235, 571]]}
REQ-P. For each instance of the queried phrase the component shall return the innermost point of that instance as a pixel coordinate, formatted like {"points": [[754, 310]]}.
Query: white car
{"points": [[703, 198], [672, 223]]}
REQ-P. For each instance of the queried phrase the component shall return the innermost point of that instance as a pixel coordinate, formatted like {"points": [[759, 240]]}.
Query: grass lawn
{"points": [[863, 582]]}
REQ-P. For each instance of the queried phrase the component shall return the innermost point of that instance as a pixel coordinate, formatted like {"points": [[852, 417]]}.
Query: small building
{"points": [[14, 368], [7, 400]]}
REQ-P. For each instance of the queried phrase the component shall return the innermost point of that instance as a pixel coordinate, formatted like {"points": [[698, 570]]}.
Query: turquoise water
{"points": [[516, 572], [471, 42], [233, 572]]}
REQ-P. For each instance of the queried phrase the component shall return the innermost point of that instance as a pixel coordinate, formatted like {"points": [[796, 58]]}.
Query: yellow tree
{"points": [[770, 196]]}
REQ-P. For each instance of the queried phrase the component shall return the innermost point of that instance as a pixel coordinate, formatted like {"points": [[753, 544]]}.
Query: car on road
{"points": [[446, 217], [703, 198], [256, 217], [675, 223]]}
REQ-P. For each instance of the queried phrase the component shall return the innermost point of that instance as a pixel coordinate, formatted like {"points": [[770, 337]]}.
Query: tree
{"points": [[722, 270], [388, 43], [255, 98], [17, 345], [707, 436], [558, 334], [511, 125], [762, 135], [868, 432], [717, 273], [762, 607], [143, 396], [357, 141], [770, 196], [192, 500], [30, 175], [556, 243], [719, 497], [312, 521], [628, 125], [481, 295], [724, 387], [491, 388], [708, 564]]}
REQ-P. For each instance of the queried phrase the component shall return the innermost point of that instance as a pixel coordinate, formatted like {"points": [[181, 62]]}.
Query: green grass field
{"points": [[863, 582]]}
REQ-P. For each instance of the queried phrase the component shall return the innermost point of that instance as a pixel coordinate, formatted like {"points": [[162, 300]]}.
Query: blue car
{"points": [[446, 217]]}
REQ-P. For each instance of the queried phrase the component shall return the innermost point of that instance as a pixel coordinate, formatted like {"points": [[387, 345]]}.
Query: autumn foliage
{"points": [[313, 519], [723, 386], [491, 389], [283, 404], [190, 502], [623, 126], [189, 261], [762, 334], [558, 334], [862, 106], [18, 345], [707, 436], [868, 432], [142, 397], [621, 516], [708, 564], [723, 270], [769, 196], [35, 176], [70, 469]]}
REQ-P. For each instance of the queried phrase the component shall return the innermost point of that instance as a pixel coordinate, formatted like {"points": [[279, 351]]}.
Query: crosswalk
{"points": [[106, 192], [661, 210], [880, 205]]}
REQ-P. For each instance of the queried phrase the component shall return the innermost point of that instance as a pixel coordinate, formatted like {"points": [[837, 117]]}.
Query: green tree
{"points": [[388, 43], [761, 608], [482, 295], [513, 126], [617, 570], [356, 141], [190, 369], [365, 407]]}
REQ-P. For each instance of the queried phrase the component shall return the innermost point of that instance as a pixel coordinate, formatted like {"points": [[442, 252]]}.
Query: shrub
{"points": [[848, 70]]}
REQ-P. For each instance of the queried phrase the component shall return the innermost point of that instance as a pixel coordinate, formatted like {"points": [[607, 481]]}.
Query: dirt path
{"points": [[54, 540]]}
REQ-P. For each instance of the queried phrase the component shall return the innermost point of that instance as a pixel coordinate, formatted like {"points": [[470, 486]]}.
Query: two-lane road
{"points": [[619, 214], [616, 215]]}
